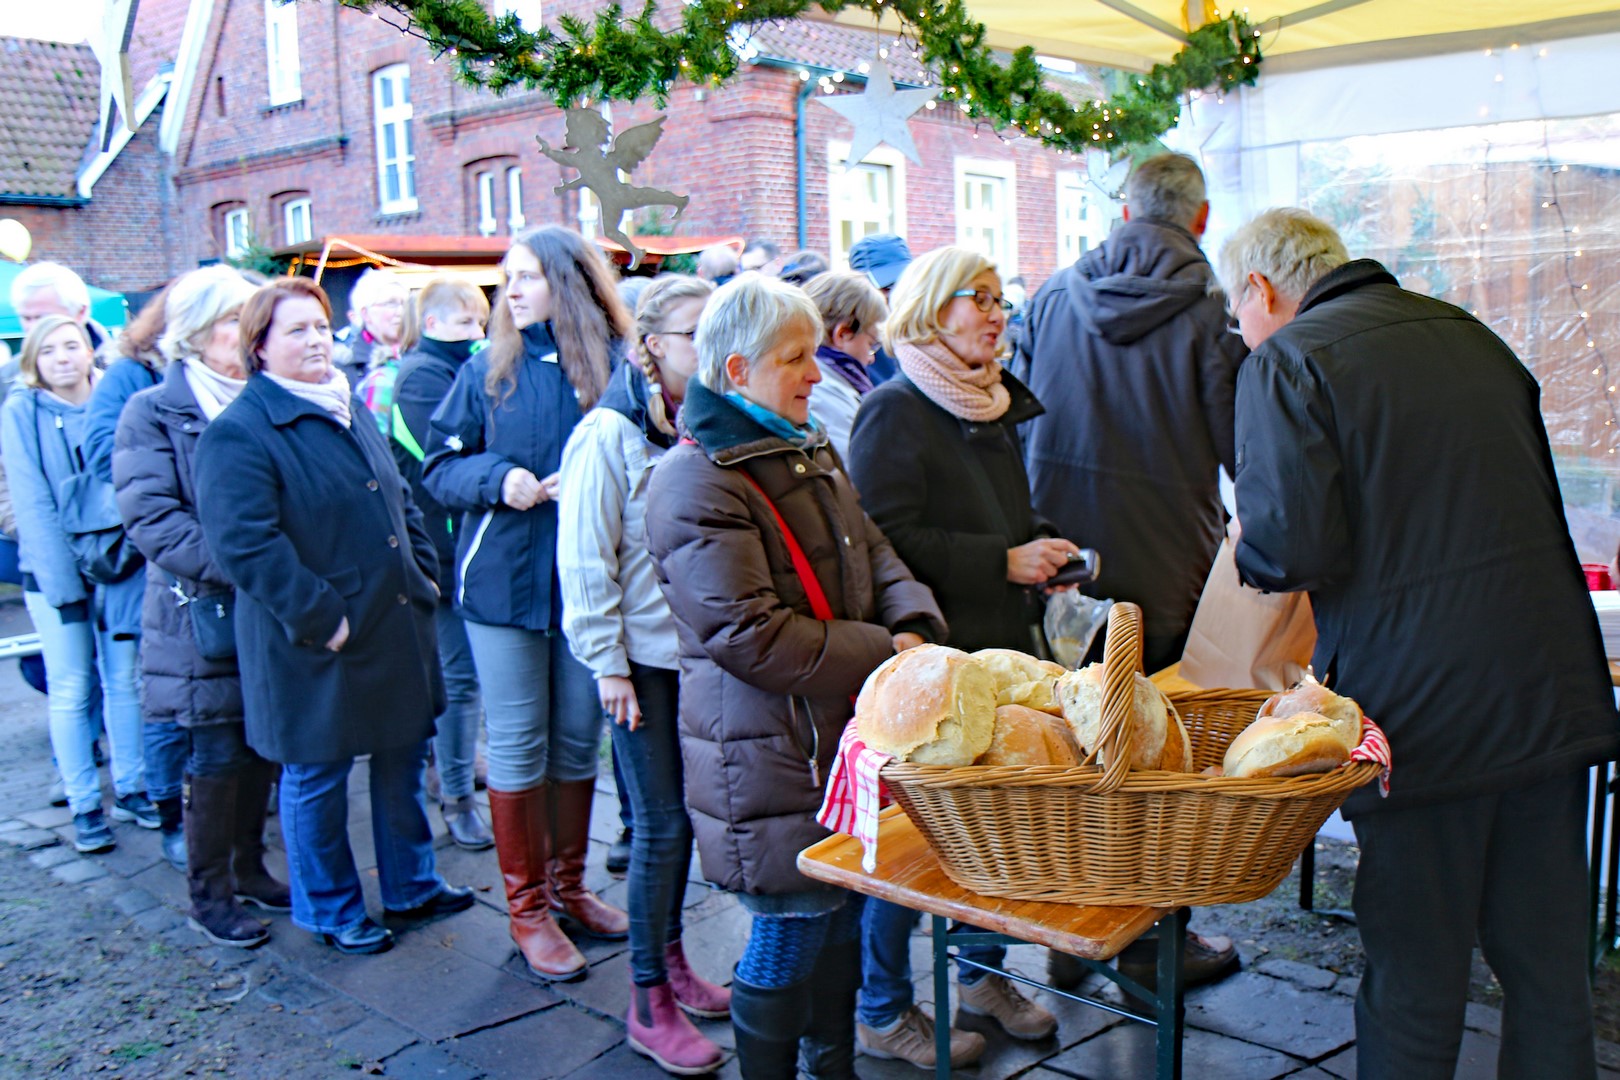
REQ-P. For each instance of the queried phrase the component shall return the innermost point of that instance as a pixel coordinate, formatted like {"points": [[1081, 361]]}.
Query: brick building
{"points": [[308, 120]]}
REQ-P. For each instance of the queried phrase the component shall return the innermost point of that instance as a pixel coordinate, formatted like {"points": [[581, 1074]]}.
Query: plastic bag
{"points": [[1072, 622]]}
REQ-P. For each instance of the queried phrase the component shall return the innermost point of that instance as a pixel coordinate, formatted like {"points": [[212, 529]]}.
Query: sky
{"points": [[58, 20]]}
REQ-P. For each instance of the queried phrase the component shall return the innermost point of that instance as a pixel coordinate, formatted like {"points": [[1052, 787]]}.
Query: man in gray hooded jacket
{"points": [[1128, 350]]}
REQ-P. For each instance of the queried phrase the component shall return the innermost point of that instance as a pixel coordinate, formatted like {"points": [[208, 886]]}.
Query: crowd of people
{"points": [[701, 518]]}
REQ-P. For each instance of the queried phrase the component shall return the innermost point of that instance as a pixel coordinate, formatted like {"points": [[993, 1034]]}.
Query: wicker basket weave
{"points": [[1106, 835]]}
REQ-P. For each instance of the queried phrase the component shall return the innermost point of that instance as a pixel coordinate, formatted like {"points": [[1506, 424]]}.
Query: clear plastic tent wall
{"points": [[1491, 181]]}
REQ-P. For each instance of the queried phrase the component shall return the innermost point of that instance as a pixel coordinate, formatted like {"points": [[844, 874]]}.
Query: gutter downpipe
{"points": [[799, 193]]}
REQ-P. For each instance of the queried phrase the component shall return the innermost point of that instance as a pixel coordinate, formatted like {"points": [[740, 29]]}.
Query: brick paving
{"points": [[451, 1001]]}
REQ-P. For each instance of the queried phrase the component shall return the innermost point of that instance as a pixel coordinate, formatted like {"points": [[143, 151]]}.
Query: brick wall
{"points": [[731, 149]]}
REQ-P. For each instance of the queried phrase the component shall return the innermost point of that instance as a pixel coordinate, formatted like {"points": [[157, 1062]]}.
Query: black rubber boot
{"points": [[828, 1045], [767, 1024], [171, 823]]}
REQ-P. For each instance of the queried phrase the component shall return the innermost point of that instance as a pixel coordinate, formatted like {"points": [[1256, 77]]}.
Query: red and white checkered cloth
{"points": [[855, 790], [855, 794], [1374, 748]]}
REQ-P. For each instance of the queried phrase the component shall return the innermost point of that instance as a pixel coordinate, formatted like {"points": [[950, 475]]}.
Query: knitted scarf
{"points": [[212, 390], [331, 395], [973, 394]]}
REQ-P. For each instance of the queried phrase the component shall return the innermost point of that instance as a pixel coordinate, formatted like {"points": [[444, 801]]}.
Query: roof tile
{"points": [[49, 93]]}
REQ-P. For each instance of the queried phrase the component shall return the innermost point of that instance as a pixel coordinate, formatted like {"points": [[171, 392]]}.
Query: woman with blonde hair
{"points": [[620, 627], [493, 453], [189, 680], [42, 433]]}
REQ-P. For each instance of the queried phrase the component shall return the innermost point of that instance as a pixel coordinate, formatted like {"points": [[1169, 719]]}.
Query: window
{"points": [[486, 204], [986, 213], [514, 200], [869, 198], [396, 161], [1082, 219], [527, 11], [281, 50], [238, 233], [296, 225]]}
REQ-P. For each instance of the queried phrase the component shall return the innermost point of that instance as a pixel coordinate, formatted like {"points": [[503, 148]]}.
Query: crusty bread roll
{"points": [[1177, 756], [1037, 694], [1010, 667], [1030, 737], [1312, 697], [931, 705], [1081, 695], [1293, 745]]}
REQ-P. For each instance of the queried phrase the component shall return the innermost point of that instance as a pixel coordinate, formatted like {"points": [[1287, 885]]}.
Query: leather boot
{"points": [[254, 884], [767, 1023], [659, 1030], [210, 831], [171, 822], [570, 839], [523, 847], [828, 1046], [466, 828], [695, 995]]}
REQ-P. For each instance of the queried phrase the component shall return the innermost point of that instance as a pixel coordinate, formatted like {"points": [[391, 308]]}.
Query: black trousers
{"points": [[1508, 871]]}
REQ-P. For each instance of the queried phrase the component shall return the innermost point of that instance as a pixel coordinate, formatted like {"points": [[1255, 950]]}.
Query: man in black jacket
{"points": [[1393, 462], [1128, 351]]}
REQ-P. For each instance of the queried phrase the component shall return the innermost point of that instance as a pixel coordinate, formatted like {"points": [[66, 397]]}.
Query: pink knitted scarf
{"points": [[970, 393]]}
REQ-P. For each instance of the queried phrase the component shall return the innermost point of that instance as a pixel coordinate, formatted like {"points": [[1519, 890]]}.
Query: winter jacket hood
{"points": [[1146, 274], [627, 396]]}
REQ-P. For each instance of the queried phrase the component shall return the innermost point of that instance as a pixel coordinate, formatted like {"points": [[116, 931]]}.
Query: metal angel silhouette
{"points": [[586, 134]]}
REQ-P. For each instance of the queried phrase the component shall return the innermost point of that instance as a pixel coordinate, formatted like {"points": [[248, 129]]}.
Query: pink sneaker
{"points": [[697, 995], [669, 1038]]}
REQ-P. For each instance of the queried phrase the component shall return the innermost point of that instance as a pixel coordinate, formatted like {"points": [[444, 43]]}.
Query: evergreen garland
{"points": [[619, 58]]}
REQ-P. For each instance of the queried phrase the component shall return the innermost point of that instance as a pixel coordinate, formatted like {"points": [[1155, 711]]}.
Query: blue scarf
{"points": [[775, 423]]}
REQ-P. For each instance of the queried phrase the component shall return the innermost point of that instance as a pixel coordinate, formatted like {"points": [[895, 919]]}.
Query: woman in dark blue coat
{"points": [[308, 516], [493, 452]]}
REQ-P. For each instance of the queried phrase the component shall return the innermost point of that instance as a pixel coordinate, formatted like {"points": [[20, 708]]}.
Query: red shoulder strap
{"points": [[801, 563]]}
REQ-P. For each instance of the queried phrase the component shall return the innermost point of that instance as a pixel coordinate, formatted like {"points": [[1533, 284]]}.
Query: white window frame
{"points": [[395, 118], [238, 233], [1094, 222], [882, 157], [514, 199], [484, 184], [292, 229], [966, 220], [281, 52]]}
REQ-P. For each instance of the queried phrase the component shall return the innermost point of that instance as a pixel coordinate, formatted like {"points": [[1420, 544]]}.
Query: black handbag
{"points": [[213, 621], [87, 507]]}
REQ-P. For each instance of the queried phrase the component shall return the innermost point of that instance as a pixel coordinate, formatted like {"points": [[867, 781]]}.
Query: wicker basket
{"points": [[1095, 835]]}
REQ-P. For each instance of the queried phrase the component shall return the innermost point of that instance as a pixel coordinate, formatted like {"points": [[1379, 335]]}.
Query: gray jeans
{"points": [[455, 742], [541, 709]]}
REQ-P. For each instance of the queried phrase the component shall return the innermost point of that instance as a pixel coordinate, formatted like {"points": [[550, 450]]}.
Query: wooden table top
{"points": [[909, 874]]}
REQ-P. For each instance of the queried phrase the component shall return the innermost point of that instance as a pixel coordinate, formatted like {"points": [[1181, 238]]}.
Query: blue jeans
{"points": [[661, 846], [75, 652], [541, 709], [325, 884], [455, 742], [886, 963], [217, 749], [167, 746]]}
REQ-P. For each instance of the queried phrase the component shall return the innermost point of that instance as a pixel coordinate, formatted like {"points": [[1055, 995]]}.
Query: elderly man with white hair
{"points": [[47, 288], [1392, 461], [378, 298]]}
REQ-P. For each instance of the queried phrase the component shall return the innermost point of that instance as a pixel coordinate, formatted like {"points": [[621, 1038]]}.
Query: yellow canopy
{"points": [[1295, 34]]}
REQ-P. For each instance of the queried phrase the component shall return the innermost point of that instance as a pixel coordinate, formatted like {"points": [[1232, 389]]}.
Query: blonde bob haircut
{"points": [[442, 297], [28, 362], [924, 292]]}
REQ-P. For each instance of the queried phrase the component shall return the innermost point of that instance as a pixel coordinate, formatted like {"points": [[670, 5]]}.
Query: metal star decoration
{"points": [[111, 46], [880, 114]]}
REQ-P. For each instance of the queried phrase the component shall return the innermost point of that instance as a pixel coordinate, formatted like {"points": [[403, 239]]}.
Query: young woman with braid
{"points": [[620, 627]]}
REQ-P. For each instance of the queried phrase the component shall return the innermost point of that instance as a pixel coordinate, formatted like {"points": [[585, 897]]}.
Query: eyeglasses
{"points": [[691, 334], [984, 301], [1232, 322]]}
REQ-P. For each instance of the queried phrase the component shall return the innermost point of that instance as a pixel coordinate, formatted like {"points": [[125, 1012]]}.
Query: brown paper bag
{"points": [[1245, 638]]}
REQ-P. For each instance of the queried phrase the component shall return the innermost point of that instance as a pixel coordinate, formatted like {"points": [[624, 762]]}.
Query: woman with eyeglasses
{"points": [[935, 455]]}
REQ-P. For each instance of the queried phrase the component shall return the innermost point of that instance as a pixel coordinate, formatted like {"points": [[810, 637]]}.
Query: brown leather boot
{"points": [[570, 838], [522, 826]]}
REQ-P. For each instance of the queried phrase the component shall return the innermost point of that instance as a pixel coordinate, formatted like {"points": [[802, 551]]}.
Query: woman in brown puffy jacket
{"points": [[770, 660]]}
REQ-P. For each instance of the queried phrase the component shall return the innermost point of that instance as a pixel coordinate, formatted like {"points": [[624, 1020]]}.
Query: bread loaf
{"points": [[1310, 696], [1029, 737], [1177, 756], [1022, 679], [1294, 745], [1081, 695], [931, 705]]}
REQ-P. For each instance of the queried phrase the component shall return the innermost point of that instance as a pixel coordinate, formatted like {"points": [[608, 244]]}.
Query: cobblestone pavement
{"points": [[100, 976]]}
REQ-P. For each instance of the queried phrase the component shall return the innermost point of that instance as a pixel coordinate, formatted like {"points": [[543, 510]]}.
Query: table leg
{"points": [[942, 997], [1172, 943], [1307, 877]]}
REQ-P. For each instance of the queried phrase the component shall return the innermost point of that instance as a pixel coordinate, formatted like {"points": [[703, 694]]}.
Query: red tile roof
{"points": [[49, 93]]}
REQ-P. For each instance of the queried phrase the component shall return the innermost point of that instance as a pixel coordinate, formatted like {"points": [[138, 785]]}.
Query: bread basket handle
{"points": [[1122, 661]]}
